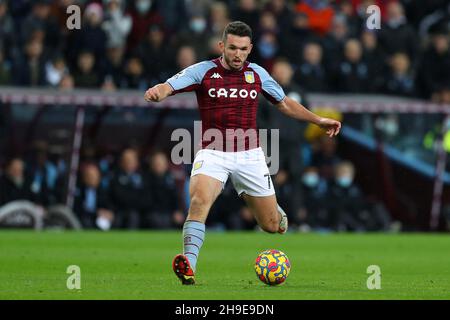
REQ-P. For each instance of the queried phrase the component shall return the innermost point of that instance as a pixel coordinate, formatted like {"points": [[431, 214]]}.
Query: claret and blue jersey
{"points": [[227, 99]]}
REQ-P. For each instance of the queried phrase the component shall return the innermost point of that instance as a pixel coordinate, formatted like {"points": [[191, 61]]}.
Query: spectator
{"points": [[164, 211], [175, 14], [213, 48], [295, 38], [134, 77], [7, 36], [30, 69], [266, 44], [91, 37], [353, 74], [108, 84], [143, 14], [283, 73], [325, 157], [128, 191], [362, 5], [283, 13], [246, 11], [196, 35], [41, 19], [58, 10], [320, 15], [345, 8], [435, 64], [67, 83], [218, 17], [346, 200], [400, 79], [42, 173], [116, 24], [156, 55], [91, 203], [350, 207], [313, 212], [14, 185], [442, 94], [311, 73], [334, 42], [5, 69], [85, 75], [374, 57], [185, 57], [55, 69], [113, 65], [396, 35]]}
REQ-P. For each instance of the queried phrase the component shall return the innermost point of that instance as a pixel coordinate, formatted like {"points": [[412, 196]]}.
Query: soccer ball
{"points": [[272, 267]]}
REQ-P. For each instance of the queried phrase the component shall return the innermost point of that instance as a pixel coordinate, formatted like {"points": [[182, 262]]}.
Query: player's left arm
{"points": [[275, 94], [295, 110]]}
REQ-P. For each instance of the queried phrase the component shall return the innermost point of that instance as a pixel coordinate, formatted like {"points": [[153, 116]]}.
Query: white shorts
{"points": [[248, 170]]}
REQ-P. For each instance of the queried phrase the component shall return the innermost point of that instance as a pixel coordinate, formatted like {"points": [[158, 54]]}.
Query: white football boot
{"points": [[283, 222]]}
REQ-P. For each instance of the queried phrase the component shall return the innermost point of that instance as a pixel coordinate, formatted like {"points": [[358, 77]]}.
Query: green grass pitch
{"points": [[137, 265]]}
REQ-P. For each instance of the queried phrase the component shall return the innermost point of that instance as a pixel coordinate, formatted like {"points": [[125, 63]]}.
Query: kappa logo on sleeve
{"points": [[179, 74]]}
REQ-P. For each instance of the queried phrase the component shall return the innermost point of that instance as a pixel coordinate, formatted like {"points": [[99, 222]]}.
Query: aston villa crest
{"points": [[249, 76]]}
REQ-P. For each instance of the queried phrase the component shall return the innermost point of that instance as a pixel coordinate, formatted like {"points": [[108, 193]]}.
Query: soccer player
{"points": [[227, 90]]}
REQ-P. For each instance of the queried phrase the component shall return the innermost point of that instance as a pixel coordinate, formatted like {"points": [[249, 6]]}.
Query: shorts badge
{"points": [[198, 165]]}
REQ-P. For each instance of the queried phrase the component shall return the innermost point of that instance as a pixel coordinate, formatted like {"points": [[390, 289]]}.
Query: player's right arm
{"points": [[158, 93], [186, 80]]}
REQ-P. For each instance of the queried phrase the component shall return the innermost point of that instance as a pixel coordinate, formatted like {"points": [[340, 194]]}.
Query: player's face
{"points": [[235, 50]]}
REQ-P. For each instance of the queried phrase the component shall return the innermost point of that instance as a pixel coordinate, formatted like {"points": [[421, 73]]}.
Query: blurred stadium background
{"points": [[80, 148]]}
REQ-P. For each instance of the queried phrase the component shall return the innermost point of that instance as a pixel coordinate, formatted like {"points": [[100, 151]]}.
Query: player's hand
{"points": [[331, 126], [153, 94]]}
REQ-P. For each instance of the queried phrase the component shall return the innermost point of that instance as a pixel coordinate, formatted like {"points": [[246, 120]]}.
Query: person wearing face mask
{"points": [[143, 14], [117, 24], [267, 44], [267, 49], [346, 199], [350, 209], [313, 212], [196, 35]]}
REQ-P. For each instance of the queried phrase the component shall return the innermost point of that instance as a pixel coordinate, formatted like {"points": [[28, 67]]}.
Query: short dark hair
{"points": [[237, 28]]}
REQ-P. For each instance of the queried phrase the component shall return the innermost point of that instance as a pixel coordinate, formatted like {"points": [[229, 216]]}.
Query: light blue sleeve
{"points": [[192, 75], [271, 89]]}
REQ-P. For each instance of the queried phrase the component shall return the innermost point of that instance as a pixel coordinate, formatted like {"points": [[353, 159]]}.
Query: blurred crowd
{"points": [[138, 43], [131, 190], [124, 194]]}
